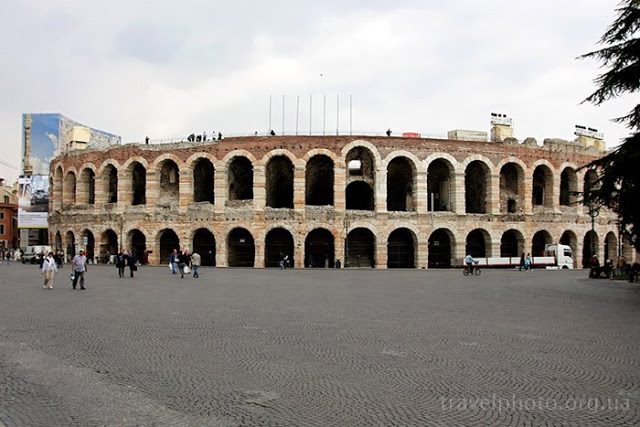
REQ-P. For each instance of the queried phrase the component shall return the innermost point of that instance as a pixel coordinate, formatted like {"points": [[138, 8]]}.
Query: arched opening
{"points": [[360, 248], [169, 241], [478, 244], [611, 246], [511, 188], [58, 242], [542, 187], [539, 241], [89, 244], [204, 243], [476, 185], [70, 239], [569, 238], [589, 247], [440, 249], [57, 188], [440, 176], [111, 184], [400, 185], [138, 246], [568, 186], [108, 244], [69, 191], [277, 243], [319, 249], [319, 181], [169, 182], [87, 190], [359, 196], [589, 184], [361, 164], [241, 251], [511, 244], [203, 182], [240, 176], [138, 184], [279, 172], [401, 252]]}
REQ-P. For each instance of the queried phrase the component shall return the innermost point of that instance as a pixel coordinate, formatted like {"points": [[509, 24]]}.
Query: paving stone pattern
{"points": [[318, 348]]}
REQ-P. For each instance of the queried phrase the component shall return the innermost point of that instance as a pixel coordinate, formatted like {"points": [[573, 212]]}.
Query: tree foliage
{"points": [[618, 184]]}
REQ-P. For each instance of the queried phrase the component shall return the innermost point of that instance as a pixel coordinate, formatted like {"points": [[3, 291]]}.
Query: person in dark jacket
{"points": [[120, 264], [184, 260], [131, 262]]}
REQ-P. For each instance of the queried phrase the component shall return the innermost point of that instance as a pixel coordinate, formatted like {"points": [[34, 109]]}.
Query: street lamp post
{"points": [[347, 224], [593, 213]]}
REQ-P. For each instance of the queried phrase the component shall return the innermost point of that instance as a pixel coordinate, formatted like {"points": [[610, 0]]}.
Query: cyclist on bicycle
{"points": [[469, 261]]}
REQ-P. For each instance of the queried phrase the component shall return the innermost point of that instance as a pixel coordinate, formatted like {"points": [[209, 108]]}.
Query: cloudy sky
{"points": [[168, 68]]}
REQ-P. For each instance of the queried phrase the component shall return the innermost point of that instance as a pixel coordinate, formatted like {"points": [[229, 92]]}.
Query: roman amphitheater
{"points": [[361, 201]]}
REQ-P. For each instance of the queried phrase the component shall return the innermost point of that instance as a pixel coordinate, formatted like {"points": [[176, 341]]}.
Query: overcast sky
{"points": [[169, 68]]}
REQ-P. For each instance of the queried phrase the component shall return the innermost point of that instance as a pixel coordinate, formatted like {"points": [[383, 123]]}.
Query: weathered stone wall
{"points": [[169, 199]]}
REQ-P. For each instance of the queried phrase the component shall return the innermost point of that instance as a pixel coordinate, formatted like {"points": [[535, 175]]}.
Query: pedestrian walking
{"points": [[195, 264], [521, 262], [49, 269], [527, 262], [131, 262], [173, 261], [79, 267], [120, 263], [184, 261]]}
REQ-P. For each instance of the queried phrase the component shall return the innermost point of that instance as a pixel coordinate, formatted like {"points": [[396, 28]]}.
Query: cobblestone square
{"points": [[318, 348]]}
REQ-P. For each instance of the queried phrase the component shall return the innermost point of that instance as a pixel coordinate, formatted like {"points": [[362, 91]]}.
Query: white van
{"points": [[31, 253]]}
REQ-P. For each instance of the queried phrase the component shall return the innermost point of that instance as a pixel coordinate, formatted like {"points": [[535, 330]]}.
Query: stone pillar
{"points": [[298, 250], [153, 187], [494, 248], [459, 202], [259, 187], [493, 198], [220, 189], [221, 251], [528, 195], [100, 195], [381, 256], [185, 188], [421, 249], [380, 190], [125, 196], [299, 188], [259, 256], [338, 245], [458, 253], [421, 192], [339, 197]]}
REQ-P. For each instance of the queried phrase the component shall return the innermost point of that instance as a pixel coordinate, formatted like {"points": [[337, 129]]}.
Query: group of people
{"points": [[608, 270], [123, 260], [525, 262], [50, 267], [185, 262], [203, 138]]}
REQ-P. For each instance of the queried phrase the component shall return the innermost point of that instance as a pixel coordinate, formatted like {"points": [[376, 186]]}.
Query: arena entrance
{"points": [[590, 239], [89, 243], [168, 242], [401, 249], [360, 248], [319, 249], [109, 244], [478, 243], [241, 250], [204, 243], [439, 249], [278, 243], [138, 246]]}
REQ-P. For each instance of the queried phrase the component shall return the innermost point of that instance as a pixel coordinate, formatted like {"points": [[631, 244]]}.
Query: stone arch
{"points": [[278, 242], [539, 241], [401, 184], [611, 246], [241, 248], [441, 246], [69, 188], [590, 247], [478, 243], [57, 242], [203, 242], [87, 185], [589, 183], [319, 181], [279, 172], [169, 183], [88, 243], [137, 174], [512, 244], [240, 178], [70, 244], [402, 245], [441, 176], [568, 186], [137, 244], [477, 186], [542, 188], [512, 187], [108, 244], [360, 248], [109, 177], [203, 180], [570, 239], [281, 152], [337, 162], [377, 160], [167, 240], [319, 248]]}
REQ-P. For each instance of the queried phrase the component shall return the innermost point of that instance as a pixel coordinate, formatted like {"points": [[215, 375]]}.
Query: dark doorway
{"points": [[400, 185], [279, 172], [319, 249], [439, 249], [476, 244], [203, 181], [589, 248], [89, 243], [111, 184], [139, 184], [109, 243], [240, 178], [241, 250], [511, 244], [138, 245], [319, 181], [168, 242], [359, 196], [539, 241], [476, 179], [278, 243], [439, 179], [360, 248], [401, 249], [204, 243]]}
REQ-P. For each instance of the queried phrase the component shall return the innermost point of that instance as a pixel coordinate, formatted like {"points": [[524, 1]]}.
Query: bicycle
{"points": [[468, 268]]}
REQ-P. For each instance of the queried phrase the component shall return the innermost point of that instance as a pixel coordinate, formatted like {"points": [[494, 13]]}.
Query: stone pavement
{"points": [[319, 348]]}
